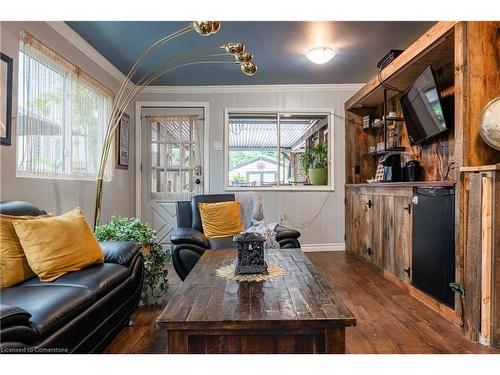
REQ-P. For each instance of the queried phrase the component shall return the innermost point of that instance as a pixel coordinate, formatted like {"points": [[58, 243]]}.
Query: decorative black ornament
{"points": [[250, 254]]}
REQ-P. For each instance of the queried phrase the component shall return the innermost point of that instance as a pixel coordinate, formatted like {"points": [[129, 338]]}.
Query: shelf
{"points": [[435, 48], [383, 152], [481, 168], [380, 124], [447, 183], [376, 153]]}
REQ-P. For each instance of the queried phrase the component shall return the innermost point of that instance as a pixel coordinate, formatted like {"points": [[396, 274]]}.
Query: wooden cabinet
{"points": [[402, 233], [363, 214], [378, 227], [369, 238]]}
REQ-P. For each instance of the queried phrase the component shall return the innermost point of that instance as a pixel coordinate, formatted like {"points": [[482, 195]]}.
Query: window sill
{"points": [[61, 178], [281, 188]]}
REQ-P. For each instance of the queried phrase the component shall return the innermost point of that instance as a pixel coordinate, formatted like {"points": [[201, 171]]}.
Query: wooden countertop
{"points": [[446, 183], [482, 168]]}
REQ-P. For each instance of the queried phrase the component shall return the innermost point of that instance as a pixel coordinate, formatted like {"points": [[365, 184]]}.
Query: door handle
{"points": [[370, 203], [369, 251], [408, 271]]}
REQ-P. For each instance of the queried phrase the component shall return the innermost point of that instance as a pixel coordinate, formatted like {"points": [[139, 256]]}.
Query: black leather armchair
{"points": [[189, 242], [81, 311]]}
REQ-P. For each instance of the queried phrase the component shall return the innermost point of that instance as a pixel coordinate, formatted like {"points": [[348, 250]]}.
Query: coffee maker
{"points": [[392, 167], [412, 171]]}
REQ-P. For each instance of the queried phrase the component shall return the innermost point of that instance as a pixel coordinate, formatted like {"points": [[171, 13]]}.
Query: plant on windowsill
{"points": [[121, 228], [314, 161]]}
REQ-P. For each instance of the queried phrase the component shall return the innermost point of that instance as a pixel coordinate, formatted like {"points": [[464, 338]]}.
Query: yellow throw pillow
{"points": [[220, 219], [58, 245], [14, 267]]}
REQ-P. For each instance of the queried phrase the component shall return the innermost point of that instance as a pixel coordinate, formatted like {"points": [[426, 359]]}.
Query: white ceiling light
{"points": [[320, 55]]}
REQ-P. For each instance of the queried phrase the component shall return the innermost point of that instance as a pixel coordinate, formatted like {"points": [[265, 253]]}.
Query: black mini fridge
{"points": [[433, 254]]}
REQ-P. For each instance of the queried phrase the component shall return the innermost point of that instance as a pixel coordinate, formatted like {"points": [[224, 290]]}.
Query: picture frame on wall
{"points": [[6, 68], [122, 142]]}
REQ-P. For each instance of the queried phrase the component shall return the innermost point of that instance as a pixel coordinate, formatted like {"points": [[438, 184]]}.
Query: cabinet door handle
{"points": [[369, 251], [369, 204], [408, 208]]}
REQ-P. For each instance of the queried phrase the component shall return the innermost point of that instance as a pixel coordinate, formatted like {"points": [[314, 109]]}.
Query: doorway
{"points": [[172, 152]]}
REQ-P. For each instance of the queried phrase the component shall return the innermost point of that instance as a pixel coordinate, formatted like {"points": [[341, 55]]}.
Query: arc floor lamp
{"points": [[232, 53]]}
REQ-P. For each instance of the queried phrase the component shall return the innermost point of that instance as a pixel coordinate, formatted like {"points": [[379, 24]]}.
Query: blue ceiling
{"points": [[278, 49]]}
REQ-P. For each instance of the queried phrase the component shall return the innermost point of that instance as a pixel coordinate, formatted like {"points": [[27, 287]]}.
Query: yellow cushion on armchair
{"points": [[58, 245], [220, 219]]}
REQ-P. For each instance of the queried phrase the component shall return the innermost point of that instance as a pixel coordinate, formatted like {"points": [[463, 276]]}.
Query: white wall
{"points": [[58, 196], [328, 228]]}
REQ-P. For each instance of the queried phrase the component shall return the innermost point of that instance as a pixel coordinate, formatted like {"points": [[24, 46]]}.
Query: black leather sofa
{"points": [[189, 242], [79, 312]]}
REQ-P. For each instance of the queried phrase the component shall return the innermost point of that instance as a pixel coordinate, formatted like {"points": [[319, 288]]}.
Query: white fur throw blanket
{"points": [[252, 218], [250, 207], [267, 231]]}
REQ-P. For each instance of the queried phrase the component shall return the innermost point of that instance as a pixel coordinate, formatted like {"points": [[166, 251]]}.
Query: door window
{"points": [[175, 155]]}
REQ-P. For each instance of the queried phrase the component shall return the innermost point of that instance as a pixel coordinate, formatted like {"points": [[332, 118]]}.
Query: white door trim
{"points": [[138, 156]]}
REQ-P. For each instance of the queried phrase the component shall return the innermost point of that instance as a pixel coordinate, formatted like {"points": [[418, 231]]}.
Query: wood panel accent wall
{"points": [[472, 269], [479, 80], [435, 155], [481, 274]]}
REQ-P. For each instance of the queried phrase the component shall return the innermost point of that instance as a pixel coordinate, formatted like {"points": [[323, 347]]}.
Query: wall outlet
{"points": [[217, 146], [282, 218]]}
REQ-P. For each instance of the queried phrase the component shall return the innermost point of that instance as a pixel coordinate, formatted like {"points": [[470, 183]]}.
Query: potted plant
{"points": [[121, 228], [314, 161]]}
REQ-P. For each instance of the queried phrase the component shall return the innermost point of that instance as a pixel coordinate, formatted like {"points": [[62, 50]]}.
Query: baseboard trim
{"points": [[320, 247]]}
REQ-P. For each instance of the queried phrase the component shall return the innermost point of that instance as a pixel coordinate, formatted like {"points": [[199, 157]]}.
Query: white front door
{"points": [[171, 163]]}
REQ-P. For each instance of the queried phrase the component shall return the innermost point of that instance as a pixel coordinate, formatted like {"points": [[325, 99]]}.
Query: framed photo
{"points": [[122, 140], [6, 66]]}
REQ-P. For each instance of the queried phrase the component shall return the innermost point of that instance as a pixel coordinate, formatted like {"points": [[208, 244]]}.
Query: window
{"points": [[62, 116], [278, 150]]}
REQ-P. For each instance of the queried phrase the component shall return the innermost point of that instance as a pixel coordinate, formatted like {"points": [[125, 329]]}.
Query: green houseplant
{"points": [[121, 228], [314, 161]]}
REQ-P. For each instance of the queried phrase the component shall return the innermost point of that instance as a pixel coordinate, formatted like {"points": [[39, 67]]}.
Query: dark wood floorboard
{"points": [[389, 320]]}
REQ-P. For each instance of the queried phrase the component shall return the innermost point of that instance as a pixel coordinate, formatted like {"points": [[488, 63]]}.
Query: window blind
{"points": [[62, 116]]}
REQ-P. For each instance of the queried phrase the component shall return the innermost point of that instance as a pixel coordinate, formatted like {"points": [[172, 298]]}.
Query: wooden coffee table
{"points": [[296, 313]]}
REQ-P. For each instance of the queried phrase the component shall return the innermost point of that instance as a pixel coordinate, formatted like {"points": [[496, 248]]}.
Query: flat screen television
{"points": [[422, 109]]}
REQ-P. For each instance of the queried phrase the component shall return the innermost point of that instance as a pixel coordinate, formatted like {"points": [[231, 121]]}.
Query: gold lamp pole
{"points": [[129, 90]]}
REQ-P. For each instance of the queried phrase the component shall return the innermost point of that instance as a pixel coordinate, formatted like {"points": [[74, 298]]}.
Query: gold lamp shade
{"points": [[125, 97], [234, 48], [206, 28], [249, 68], [215, 26], [244, 57]]}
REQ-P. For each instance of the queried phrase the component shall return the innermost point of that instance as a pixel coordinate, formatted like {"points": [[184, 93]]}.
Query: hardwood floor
{"points": [[389, 320]]}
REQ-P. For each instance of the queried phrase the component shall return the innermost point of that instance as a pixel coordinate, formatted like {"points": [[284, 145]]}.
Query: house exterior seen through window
{"points": [[278, 150]]}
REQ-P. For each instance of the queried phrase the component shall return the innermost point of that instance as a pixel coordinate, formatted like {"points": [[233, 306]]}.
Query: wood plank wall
{"points": [[435, 156]]}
